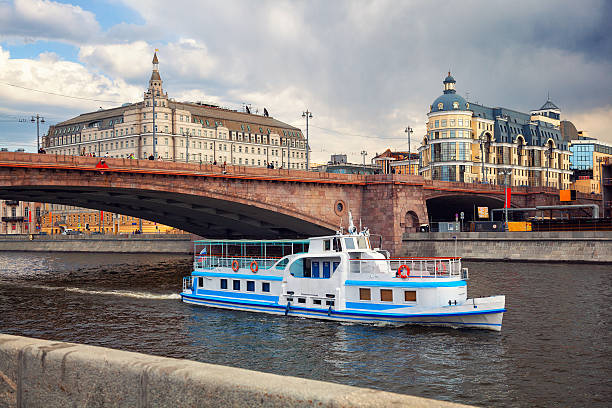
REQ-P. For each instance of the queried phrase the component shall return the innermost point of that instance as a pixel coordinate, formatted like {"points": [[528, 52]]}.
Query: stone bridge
{"points": [[247, 202]]}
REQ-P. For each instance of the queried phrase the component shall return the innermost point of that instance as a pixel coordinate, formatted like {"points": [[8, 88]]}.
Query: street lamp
{"points": [[364, 154], [409, 132], [307, 115], [548, 153], [483, 140], [505, 173], [38, 119]]}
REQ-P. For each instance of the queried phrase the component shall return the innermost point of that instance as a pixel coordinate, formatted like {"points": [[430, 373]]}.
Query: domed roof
{"points": [[449, 79], [448, 103]]}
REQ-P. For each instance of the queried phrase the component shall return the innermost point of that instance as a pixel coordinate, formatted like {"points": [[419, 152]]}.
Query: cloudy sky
{"points": [[366, 69]]}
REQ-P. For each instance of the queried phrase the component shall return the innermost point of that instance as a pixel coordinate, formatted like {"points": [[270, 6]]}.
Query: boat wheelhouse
{"points": [[340, 277]]}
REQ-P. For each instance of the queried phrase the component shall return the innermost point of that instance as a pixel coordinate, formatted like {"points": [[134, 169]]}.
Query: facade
{"points": [[397, 162], [20, 217], [184, 132], [586, 162], [472, 143], [57, 218]]}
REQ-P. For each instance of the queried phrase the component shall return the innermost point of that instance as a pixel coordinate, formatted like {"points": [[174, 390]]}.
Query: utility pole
{"points": [[38, 119], [307, 115], [187, 147], [409, 132]]}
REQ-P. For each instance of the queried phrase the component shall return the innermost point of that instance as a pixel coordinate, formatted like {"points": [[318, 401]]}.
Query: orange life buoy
{"points": [[254, 266], [441, 267], [403, 271], [235, 265]]}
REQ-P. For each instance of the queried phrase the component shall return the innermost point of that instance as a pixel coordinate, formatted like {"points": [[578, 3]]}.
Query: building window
{"points": [[364, 294], [386, 295], [223, 283]]}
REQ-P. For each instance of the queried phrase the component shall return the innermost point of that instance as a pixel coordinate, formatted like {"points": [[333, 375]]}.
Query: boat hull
{"points": [[480, 313]]}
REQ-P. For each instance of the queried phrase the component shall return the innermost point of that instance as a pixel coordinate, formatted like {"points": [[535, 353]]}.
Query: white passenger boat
{"points": [[339, 277]]}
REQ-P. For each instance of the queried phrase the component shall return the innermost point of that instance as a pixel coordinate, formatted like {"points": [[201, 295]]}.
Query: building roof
{"points": [[155, 60], [449, 79], [448, 103], [549, 105]]}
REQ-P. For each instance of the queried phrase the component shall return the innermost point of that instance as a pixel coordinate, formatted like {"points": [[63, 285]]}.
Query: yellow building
{"points": [[397, 162], [472, 143], [59, 218]]}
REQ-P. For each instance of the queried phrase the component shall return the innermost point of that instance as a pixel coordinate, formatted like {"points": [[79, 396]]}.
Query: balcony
{"points": [[12, 202], [13, 219]]}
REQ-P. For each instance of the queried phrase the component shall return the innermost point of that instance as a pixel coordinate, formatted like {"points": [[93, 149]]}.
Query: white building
{"points": [[184, 132]]}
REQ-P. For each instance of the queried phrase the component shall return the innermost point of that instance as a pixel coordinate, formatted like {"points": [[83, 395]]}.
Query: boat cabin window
{"points": [[250, 286], [386, 295], [364, 294], [282, 263], [236, 284], [313, 268], [410, 295], [349, 243], [326, 245], [337, 247], [265, 286], [200, 282], [223, 283], [362, 242]]}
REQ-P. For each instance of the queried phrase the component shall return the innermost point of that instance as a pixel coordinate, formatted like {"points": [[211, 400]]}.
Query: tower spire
{"points": [[155, 83]]}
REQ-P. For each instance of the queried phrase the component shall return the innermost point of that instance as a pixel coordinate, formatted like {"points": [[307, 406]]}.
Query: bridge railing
{"points": [[411, 267]]}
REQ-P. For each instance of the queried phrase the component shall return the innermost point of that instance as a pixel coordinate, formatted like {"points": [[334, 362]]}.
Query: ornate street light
{"points": [[307, 115]]}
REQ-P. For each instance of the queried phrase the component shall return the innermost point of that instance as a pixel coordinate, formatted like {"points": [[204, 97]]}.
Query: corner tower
{"points": [[155, 83]]}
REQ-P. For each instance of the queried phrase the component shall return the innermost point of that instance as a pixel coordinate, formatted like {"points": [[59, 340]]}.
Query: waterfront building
{"points": [[57, 218], [397, 162], [20, 217], [473, 143], [183, 131], [586, 162]]}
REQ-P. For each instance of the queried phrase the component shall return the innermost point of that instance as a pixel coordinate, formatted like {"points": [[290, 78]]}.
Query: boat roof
{"points": [[252, 241]]}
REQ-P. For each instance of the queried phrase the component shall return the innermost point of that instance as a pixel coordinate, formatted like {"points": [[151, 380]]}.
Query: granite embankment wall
{"points": [[562, 246], [146, 243], [585, 246], [41, 373]]}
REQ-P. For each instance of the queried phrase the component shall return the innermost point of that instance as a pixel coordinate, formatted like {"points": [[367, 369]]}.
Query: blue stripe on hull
{"points": [[337, 314]]}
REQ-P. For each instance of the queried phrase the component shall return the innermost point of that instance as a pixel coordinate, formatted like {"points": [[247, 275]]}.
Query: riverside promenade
{"points": [[42, 373]]}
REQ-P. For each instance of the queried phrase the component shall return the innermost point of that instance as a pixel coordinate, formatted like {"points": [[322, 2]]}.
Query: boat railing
{"points": [[187, 284], [236, 262], [410, 267]]}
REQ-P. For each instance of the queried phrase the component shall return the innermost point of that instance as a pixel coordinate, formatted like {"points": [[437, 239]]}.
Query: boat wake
{"points": [[120, 293]]}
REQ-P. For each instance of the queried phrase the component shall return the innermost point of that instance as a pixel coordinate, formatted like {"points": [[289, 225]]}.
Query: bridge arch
{"points": [[443, 207]]}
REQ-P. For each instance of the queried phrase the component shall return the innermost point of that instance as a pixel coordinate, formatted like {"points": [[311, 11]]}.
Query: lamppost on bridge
{"points": [[409, 132], [364, 154], [548, 153], [483, 141], [505, 173], [307, 115], [38, 119]]}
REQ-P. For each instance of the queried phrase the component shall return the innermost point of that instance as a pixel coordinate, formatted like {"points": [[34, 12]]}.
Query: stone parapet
{"points": [[41, 373], [557, 246]]}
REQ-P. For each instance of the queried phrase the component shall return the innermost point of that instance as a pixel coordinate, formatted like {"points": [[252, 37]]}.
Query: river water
{"points": [[555, 348]]}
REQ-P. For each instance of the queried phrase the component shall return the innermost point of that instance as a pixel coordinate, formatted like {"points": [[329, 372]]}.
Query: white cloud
{"points": [[186, 59], [47, 20], [53, 75]]}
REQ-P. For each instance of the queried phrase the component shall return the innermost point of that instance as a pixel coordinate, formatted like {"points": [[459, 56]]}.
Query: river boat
{"points": [[342, 277]]}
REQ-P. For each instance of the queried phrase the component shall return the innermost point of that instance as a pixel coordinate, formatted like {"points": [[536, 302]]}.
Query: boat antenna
{"points": [[351, 228]]}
